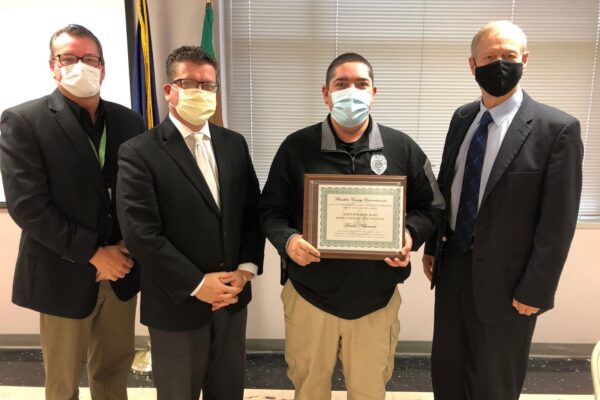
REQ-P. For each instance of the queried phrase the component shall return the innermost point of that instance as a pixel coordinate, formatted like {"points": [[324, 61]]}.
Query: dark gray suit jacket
{"points": [[174, 228], [528, 213], [56, 193]]}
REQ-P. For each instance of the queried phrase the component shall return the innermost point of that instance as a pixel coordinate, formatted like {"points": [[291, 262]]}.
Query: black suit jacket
{"points": [[528, 213], [174, 228], [56, 193]]}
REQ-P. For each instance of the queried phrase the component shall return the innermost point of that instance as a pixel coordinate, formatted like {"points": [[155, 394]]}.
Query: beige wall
{"points": [[574, 320]]}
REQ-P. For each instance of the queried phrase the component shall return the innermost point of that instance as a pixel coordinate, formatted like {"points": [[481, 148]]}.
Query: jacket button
{"points": [[221, 264]]}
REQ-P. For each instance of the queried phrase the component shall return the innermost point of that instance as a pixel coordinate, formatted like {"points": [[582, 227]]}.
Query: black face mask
{"points": [[499, 77]]}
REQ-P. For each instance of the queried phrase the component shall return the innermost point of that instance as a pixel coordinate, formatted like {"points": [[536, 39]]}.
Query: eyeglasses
{"points": [[194, 84], [70, 59]]}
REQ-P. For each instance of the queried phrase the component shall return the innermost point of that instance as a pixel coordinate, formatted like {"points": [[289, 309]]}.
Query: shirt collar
{"points": [[79, 111], [185, 131], [504, 110], [328, 137]]}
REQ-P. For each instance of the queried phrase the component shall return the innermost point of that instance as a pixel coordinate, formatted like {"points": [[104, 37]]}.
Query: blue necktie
{"points": [[469, 194]]}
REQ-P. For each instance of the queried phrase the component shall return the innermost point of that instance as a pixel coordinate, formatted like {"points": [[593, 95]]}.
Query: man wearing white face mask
{"points": [[333, 307], [188, 199], [58, 156]]}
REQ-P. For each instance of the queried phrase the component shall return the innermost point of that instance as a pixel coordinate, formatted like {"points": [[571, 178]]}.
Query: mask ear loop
{"points": [[460, 110], [173, 87]]}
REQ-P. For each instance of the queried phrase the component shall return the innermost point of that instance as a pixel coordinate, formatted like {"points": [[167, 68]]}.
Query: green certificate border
{"points": [[392, 245]]}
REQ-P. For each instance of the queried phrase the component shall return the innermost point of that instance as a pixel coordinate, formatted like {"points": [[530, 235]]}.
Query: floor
{"points": [[21, 377], [12, 393]]}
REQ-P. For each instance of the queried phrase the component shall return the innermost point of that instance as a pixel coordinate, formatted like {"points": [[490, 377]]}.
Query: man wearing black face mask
{"points": [[511, 173]]}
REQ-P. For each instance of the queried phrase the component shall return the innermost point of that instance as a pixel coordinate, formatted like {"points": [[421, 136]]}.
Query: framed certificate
{"points": [[355, 216]]}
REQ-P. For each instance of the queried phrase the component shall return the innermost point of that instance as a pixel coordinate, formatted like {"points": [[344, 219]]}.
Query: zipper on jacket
{"points": [[352, 157]]}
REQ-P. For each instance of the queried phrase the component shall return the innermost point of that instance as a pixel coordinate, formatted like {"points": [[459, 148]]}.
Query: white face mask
{"points": [[80, 79], [350, 106], [196, 106]]}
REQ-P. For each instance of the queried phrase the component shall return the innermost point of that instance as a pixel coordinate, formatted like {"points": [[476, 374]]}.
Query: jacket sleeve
{"points": [[424, 203], [432, 243], [277, 203], [141, 225], [138, 126], [28, 194], [253, 240], [557, 221]]}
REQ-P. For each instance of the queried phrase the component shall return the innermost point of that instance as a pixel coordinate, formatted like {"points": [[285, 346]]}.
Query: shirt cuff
{"points": [[250, 267], [197, 288]]}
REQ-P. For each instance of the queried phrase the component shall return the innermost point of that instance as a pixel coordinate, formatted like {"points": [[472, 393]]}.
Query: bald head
{"points": [[505, 29]]}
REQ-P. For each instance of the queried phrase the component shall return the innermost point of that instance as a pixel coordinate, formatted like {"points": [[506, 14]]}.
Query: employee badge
{"points": [[378, 163]]}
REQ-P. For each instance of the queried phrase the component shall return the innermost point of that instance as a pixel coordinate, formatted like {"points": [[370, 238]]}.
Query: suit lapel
{"points": [[114, 134], [179, 151], [465, 117], [516, 134], [220, 151], [80, 140]]}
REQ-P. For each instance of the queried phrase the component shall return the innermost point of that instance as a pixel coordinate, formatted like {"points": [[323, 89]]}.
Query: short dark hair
{"points": [[193, 54], [76, 31], [345, 58]]}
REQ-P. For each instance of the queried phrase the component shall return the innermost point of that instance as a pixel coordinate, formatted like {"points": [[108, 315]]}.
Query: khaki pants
{"points": [[314, 338], [105, 339]]}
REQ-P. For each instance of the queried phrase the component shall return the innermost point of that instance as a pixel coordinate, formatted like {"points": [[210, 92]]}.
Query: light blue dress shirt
{"points": [[502, 116]]}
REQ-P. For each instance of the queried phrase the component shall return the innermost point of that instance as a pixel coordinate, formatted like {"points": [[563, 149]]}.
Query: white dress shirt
{"points": [[502, 116], [188, 137]]}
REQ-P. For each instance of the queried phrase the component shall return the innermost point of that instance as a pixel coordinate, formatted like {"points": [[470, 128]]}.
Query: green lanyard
{"points": [[101, 154]]}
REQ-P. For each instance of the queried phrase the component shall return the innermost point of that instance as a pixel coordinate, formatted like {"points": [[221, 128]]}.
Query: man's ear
{"points": [[472, 65], [525, 59], [326, 97], [325, 93], [167, 91]]}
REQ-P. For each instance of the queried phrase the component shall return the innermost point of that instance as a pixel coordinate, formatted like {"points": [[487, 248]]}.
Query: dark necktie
{"points": [[469, 194]]}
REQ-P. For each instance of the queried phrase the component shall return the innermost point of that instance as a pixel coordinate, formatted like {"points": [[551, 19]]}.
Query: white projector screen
{"points": [[25, 29]]}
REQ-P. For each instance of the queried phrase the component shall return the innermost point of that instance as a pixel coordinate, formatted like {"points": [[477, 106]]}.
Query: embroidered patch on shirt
{"points": [[378, 163]]}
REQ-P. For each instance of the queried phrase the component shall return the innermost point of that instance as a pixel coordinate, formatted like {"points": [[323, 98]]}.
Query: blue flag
{"points": [[144, 88]]}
